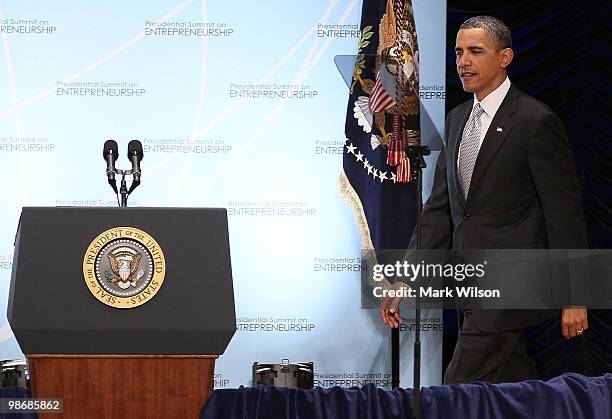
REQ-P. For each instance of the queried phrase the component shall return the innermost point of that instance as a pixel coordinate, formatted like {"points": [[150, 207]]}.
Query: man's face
{"points": [[480, 65]]}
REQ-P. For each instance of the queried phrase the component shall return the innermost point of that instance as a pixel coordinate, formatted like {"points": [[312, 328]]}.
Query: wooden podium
{"points": [[136, 386], [153, 360]]}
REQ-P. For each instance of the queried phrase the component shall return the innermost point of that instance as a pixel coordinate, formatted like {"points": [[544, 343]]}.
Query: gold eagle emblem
{"points": [[124, 263]]}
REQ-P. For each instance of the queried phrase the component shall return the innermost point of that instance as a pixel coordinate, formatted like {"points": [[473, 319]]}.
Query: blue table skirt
{"points": [[568, 396], [16, 393]]}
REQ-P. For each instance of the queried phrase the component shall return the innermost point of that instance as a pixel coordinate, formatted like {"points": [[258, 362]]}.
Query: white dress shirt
{"points": [[490, 104]]}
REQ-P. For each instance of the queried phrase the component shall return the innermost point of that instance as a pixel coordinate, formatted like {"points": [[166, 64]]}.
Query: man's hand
{"points": [[574, 321], [389, 306]]}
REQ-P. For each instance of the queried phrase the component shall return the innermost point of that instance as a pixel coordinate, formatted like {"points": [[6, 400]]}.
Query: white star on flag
{"points": [[383, 176], [351, 148], [359, 156]]}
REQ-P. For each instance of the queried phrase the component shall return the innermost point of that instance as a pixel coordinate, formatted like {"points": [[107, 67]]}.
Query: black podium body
{"points": [[88, 352], [52, 311]]}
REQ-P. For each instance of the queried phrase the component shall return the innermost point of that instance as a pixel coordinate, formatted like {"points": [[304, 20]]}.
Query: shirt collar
{"points": [[491, 103]]}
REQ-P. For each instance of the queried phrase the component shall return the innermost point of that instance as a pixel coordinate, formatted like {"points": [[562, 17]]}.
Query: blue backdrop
{"points": [[238, 105]]}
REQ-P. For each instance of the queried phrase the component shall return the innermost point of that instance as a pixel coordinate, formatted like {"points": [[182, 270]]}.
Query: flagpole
{"points": [[417, 154], [395, 358]]}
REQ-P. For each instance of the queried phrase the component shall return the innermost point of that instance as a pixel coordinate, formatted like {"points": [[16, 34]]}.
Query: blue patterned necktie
{"points": [[468, 150]]}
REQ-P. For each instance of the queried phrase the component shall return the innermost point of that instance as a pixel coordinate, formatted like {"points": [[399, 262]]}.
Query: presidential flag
{"points": [[382, 120]]}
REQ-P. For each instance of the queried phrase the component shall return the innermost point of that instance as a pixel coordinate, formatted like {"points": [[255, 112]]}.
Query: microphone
{"points": [[135, 154], [110, 154]]}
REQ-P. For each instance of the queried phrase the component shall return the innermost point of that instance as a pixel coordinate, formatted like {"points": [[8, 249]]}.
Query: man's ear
{"points": [[507, 56]]}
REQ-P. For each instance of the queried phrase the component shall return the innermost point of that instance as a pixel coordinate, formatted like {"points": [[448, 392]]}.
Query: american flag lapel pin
{"points": [[499, 129]]}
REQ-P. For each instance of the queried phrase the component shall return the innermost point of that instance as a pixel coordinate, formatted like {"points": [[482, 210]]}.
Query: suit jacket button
{"points": [[466, 215]]}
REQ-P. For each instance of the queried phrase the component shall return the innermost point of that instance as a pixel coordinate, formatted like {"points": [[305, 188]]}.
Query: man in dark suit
{"points": [[504, 179]]}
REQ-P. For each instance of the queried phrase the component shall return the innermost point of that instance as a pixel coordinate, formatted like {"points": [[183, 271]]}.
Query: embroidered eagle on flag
{"points": [[387, 104]]}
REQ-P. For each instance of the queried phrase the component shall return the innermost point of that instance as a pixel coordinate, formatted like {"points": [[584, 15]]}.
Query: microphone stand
{"points": [[123, 190], [417, 154]]}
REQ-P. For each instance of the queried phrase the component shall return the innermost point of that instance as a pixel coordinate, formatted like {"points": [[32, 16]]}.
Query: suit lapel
{"points": [[498, 130]]}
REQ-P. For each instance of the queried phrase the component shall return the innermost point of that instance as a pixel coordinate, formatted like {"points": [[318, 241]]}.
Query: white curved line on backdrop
{"points": [[301, 75], [16, 108], [198, 115], [13, 87], [229, 110]]}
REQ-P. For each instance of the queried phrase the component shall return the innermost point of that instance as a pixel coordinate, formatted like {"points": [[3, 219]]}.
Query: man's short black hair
{"points": [[495, 28]]}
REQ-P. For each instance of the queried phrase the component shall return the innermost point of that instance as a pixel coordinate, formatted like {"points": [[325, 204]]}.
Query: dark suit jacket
{"points": [[524, 192]]}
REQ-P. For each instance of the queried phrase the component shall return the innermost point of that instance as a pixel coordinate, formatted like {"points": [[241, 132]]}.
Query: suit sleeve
{"points": [[436, 222], [554, 174]]}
